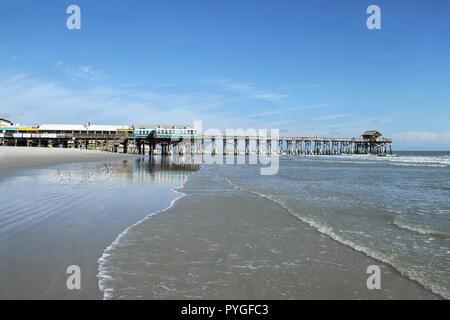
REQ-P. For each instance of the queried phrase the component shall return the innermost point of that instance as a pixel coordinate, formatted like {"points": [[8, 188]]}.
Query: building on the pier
{"points": [[89, 136], [80, 128], [98, 137], [167, 136], [182, 139], [5, 123], [371, 134], [164, 131]]}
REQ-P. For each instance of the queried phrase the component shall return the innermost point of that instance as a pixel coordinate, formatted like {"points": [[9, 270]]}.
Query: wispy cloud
{"points": [[31, 100], [80, 72], [269, 96], [201, 100], [245, 88], [423, 137], [164, 85], [230, 85], [147, 85], [308, 86], [309, 106], [332, 117], [263, 114]]}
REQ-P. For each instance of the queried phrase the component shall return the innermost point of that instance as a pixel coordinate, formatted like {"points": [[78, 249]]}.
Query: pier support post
{"points": [[193, 147], [125, 146], [213, 146], [225, 151], [188, 148], [152, 150], [181, 149]]}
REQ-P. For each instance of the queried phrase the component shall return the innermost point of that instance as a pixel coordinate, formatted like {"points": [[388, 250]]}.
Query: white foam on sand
{"points": [[102, 275], [370, 252]]}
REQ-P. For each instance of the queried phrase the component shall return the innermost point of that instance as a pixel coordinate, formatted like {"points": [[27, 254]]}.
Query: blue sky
{"points": [[308, 68]]}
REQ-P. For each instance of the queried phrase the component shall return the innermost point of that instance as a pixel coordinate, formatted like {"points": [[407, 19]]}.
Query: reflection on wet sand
{"points": [[69, 214], [167, 171]]}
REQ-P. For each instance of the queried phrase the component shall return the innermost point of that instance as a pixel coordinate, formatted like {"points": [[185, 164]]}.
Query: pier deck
{"points": [[126, 141]]}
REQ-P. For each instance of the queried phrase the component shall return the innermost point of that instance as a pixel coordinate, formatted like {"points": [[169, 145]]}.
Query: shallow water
{"points": [[395, 209], [67, 215], [231, 237], [235, 235]]}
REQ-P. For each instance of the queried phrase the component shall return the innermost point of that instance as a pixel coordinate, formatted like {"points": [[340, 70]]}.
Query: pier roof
{"points": [[81, 127], [4, 122], [162, 126], [371, 134]]}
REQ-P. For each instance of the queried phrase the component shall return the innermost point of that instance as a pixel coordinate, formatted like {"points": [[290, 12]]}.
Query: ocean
{"points": [[394, 209], [170, 229]]}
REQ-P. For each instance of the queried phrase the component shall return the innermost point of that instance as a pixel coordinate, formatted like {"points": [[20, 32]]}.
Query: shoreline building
{"points": [[5, 123]]}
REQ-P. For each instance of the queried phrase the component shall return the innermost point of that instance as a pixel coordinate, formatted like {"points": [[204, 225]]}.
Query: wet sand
{"points": [[218, 242], [63, 214], [22, 157]]}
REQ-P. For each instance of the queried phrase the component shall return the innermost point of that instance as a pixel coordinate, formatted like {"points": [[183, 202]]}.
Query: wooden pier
{"points": [[278, 145], [125, 140]]}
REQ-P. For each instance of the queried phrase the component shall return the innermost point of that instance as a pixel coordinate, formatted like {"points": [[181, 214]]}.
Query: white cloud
{"points": [[263, 114], [31, 100], [309, 106], [245, 88], [230, 85], [80, 72], [332, 116], [269, 96], [423, 137]]}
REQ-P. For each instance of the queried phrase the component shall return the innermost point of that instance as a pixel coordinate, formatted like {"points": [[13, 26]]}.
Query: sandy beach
{"points": [[219, 242], [70, 207], [22, 157], [63, 207]]}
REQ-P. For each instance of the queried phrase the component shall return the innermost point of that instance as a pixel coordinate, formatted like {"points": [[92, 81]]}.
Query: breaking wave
{"points": [[322, 227]]}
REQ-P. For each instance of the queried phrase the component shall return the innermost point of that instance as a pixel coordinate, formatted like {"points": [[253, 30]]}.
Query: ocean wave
{"points": [[103, 270], [321, 227], [420, 229], [423, 160], [401, 160]]}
